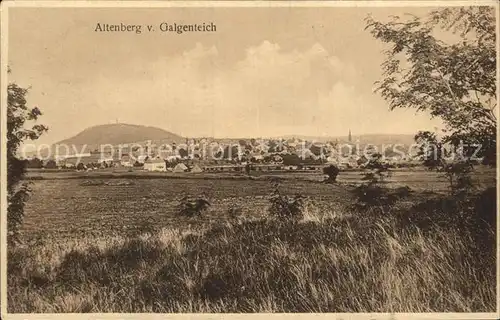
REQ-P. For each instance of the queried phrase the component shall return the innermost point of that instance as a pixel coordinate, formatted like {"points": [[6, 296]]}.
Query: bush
{"points": [[373, 196], [474, 218], [332, 172], [51, 164], [286, 207], [371, 193], [378, 171], [189, 207], [485, 205]]}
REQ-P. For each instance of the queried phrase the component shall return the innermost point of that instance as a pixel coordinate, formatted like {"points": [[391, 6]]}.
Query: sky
{"points": [[264, 72]]}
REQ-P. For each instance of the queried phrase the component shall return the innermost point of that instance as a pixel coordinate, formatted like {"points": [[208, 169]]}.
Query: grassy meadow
{"points": [[118, 245]]}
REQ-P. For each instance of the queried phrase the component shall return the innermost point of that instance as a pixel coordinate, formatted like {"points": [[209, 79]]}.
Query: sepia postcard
{"points": [[241, 159]]}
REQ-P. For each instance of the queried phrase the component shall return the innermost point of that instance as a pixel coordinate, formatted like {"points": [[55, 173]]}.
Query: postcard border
{"points": [[4, 7]]}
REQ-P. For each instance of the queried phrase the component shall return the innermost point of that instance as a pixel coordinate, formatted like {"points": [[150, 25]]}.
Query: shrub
{"points": [[332, 172], [371, 194], [368, 195], [283, 206], [378, 197], [475, 215], [51, 164], [189, 207], [455, 166], [485, 205], [379, 171]]}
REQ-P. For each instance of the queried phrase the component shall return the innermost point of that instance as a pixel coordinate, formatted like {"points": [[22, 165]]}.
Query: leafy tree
{"points": [[273, 145], [316, 150], [255, 160], [80, 166], [455, 81], [291, 160], [34, 163], [51, 164], [248, 168], [19, 115], [354, 150], [436, 158], [332, 172], [362, 161], [183, 153], [231, 152]]}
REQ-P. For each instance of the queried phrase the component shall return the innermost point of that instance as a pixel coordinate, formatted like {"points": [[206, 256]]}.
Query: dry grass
{"points": [[328, 262]]}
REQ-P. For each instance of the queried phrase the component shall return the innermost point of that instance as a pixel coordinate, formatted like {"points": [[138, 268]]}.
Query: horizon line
{"points": [[182, 135]]}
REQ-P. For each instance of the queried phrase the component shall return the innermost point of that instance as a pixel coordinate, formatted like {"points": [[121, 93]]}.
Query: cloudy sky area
{"points": [[265, 72]]}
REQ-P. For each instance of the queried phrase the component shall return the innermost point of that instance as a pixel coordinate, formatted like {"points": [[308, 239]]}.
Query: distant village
{"points": [[199, 155]]}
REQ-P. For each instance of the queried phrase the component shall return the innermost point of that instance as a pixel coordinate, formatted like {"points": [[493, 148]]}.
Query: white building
{"points": [[155, 165]]}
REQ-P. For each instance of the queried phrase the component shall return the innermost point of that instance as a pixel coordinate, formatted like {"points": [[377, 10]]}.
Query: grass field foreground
{"points": [[326, 262]]}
